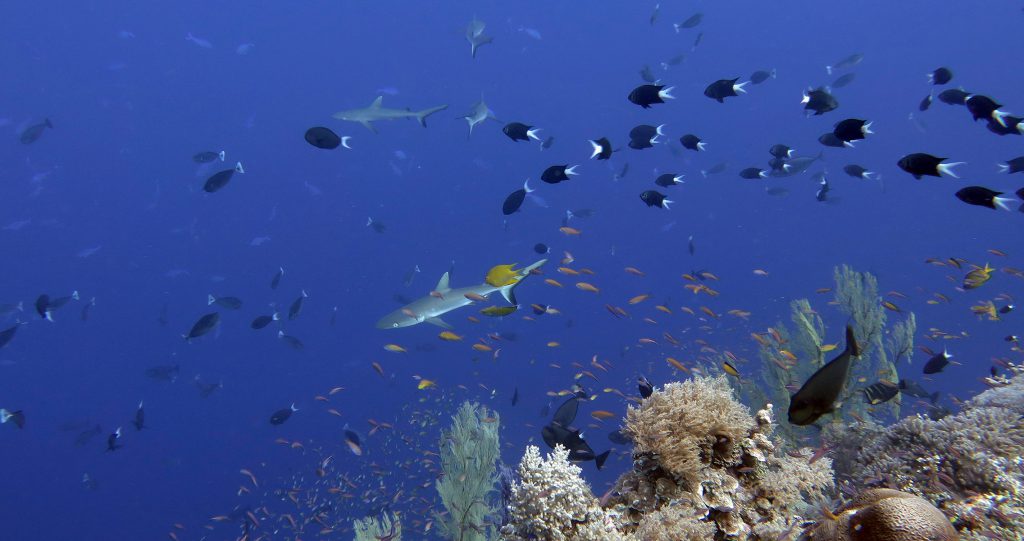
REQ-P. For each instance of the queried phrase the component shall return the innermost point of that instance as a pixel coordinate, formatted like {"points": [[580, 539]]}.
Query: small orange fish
{"points": [[647, 341], [788, 355], [634, 271], [821, 290], [568, 272], [709, 311], [639, 299], [553, 344], [567, 258], [552, 282], [395, 348], [475, 297], [688, 310], [997, 252], [482, 347], [678, 365], [587, 287], [335, 390], [601, 415], [449, 336], [377, 368], [571, 231], [742, 314], [663, 308], [888, 305], [426, 384], [760, 272], [409, 313]]}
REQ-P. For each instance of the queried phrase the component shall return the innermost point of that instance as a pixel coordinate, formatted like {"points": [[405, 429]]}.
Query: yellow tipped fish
{"points": [[730, 369], [499, 311], [395, 348]]}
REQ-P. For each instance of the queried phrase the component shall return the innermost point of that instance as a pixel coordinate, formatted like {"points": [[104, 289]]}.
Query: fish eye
{"points": [[394, 325]]}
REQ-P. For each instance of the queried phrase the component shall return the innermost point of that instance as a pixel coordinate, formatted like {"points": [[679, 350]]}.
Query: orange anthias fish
{"points": [[587, 287]]}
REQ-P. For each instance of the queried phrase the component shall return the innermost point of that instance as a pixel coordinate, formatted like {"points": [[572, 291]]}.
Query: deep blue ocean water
{"points": [[131, 100]]}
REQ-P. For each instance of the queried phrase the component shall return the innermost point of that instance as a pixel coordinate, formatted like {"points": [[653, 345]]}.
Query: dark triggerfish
{"points": [[818, 395]]}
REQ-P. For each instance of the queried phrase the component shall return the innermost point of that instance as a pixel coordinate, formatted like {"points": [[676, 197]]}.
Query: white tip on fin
{"points": [[597, 150], [293, 408], [702, 146], [239, 168], [678, 179], [666, 93], [947, 168], [210, 300], [344, 141], [1003, 168], [532, 134], [221, 155], [526, 186], [571, 170], [280, 334], [1000, 117], [1002, 203], [738, 87], [665, 203], [676, 26], [658, 129]]}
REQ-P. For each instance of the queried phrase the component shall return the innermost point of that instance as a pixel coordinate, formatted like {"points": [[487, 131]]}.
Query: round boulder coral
{"points": [[886, 515]]}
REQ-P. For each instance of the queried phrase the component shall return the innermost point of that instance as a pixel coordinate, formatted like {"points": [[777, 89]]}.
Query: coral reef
{"points": [[885, 515], [552, 502], [469, 455], [970, 464], [704, 464], [375, 528]]}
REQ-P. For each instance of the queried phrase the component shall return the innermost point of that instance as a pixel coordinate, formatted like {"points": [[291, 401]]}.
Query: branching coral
{"points": [[552, 502], [469, 453]]}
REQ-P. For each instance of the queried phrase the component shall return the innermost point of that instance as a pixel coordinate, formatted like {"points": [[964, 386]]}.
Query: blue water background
{"points": [[116, 172]]}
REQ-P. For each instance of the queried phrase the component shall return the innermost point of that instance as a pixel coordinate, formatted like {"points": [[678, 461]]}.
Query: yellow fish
{"points": [[502, 275], [499, 311], [730, 369], [977, 277], [449, 336], [394, 348], [825, 348], [426, 384]]}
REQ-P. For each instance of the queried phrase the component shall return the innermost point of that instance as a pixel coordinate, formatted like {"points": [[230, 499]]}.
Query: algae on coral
{"points": [[469, 455]]}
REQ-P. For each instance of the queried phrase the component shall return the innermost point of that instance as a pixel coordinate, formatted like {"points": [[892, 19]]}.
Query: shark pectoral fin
{"points": [[509, 293], [368, 125], [377, 102], [439, 322]]}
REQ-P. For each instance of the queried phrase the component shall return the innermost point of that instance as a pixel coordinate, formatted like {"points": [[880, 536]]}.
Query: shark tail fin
{"points": [[509, 291], [421, 116]]}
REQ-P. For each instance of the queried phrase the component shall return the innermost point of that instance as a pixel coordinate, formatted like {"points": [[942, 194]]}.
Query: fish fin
{"points": [[210, 299], [377, 102], [851, 342], [368, 125], [508, 291], [439, 322], [442, 284], [600, 459], [421, 116]]}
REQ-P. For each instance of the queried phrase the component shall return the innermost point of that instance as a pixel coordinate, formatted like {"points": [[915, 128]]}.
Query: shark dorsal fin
{"points": [[442, 284], [377, 102]]}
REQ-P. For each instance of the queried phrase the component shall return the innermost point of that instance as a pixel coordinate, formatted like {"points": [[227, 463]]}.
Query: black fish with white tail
{"points": [[940, 76], [655, 199], [220, 179], [725, 88], [514, 201], [668, 180], [517, 131], [558, 173], [262, 321], [647, 95], [645, 136], [819, 101], [920, 165], [692, 142], [856, 171], [937, 362], [140, 417], [852, 129], [984, 197], [208, 156], [602, 149], [280, 416]]}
